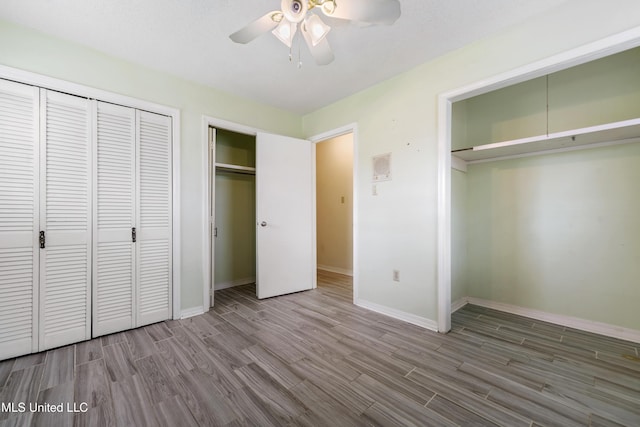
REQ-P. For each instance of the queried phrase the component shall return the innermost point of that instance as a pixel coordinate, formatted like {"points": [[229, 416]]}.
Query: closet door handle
{"points": [[133, 234], [42, 240], [263, 223]]}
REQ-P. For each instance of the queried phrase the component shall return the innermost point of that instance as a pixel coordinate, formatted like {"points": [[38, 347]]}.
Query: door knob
{"points": [[263, 223]]}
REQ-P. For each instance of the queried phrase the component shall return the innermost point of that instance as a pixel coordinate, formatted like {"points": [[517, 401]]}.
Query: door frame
{"points": [[586, 53], [351, 128]]}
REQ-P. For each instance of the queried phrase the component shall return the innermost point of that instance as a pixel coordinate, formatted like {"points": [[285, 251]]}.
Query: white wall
{"points": [[398, 228]]}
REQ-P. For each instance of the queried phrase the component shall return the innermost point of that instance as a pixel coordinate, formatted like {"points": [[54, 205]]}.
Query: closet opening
{"points": [[232, 209], [547, 184]]}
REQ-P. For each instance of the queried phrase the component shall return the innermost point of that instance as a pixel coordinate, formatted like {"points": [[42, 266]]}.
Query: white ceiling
{"points": [[189, 38]]}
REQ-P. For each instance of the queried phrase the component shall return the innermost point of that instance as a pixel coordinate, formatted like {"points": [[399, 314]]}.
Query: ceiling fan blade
{"points": [[371, 11], [321, 52], [257, 28]]}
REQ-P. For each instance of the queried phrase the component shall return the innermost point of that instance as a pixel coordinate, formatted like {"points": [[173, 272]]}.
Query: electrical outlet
{"points": [[374, 190], [396, 275]]}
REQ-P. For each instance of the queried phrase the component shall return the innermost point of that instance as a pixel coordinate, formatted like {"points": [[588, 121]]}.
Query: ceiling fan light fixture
{"points": [[277, 16], [283, 23], [294, 10], [285, 32], [316, 28], [328, 7]]}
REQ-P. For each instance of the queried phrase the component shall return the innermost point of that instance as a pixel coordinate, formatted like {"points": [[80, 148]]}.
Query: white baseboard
{"points": [[232, 283], [559, 319], [398, 314], [335, 270], [459, 303], [190, 312]]}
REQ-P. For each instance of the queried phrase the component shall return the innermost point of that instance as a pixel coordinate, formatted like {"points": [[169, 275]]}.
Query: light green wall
{"points": [[459, 257], [558, 233], [513, 112], [397, 229], [235, 215], [36, 52], [235, 148], [235, 219], [595, 93]]}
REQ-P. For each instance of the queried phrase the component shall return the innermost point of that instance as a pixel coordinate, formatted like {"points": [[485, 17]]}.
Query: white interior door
{"points": [[19, 251], [285, 216], [114, 216], [154, 219], [65, 217]]}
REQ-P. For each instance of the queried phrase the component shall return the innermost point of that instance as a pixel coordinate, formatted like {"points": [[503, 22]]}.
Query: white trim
{"points": [[335, 270], [206, 231], [458, 164], [314, 219], [398, 314], [343, 130], [234, 283], [191, 312], [556, 150], [176, 239], [231, 126], [563, 320], [65, 86], [459, 303], [589, 52], [59, 85], [444, 215]]}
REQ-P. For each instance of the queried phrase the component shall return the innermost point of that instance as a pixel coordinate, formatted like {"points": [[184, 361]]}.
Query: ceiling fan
{"points": [[298, 15]]}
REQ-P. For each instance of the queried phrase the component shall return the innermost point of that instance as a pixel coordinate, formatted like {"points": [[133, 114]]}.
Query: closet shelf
{"points": [[610, 132], [235, 168]]}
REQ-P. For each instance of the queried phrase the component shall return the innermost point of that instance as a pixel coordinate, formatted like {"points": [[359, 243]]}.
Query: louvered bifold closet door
{"points": [[18, 219], [114, 216], [65, 188], [154, 218]]}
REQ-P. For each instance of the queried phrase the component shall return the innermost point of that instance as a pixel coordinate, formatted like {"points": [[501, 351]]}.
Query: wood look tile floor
{"points": [[314, 359]]}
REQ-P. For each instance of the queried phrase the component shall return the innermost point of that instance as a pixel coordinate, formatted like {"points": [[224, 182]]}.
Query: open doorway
{"points": [[334, 210]]}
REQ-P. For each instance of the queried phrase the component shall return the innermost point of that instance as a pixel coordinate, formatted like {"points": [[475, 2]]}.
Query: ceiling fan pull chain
{"points": [[299, 56]]}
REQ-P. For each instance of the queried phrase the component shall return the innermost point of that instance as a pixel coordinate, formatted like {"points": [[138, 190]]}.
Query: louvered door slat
{"points": [[154, 218], [114, 216], [65, 217], [19, 133]]}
